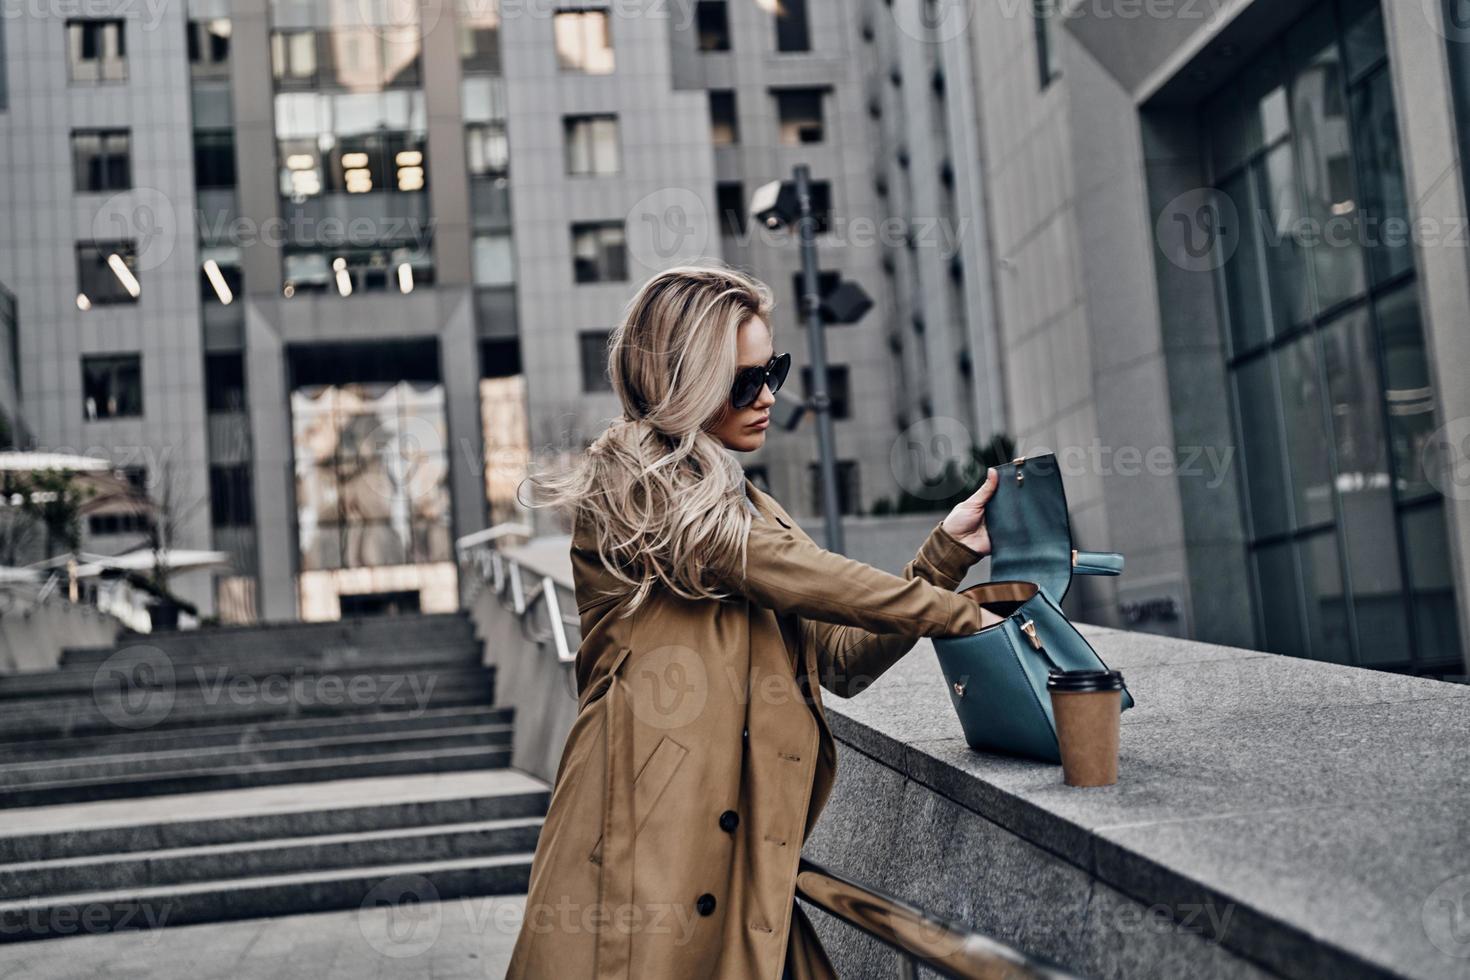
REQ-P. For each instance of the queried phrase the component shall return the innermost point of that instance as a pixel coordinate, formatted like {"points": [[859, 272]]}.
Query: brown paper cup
{"points": [[1087, 707]]}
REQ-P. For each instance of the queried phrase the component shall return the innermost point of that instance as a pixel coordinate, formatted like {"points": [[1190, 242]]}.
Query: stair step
{"points": [[229, 777], [260, 732], [258, 813], [260, 858], [221, 680], [38, 772], [81, 679], [48, 917], [51, 718], [386, 633]]}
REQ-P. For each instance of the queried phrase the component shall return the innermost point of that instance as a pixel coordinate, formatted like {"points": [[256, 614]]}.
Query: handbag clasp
{"points": [[1029, 628]]}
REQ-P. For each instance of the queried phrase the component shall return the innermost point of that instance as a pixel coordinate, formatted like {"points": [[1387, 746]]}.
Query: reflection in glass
{"points": [[1327, 624], [1431, 582], [1409, 390], [372, 468], [1306, 436], [1249, 326], [1364, 491], [1279, 599], [1260, 437], [1322, 139]]}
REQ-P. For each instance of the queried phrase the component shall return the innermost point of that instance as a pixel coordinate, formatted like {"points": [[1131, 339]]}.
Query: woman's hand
{"points": [[967, 521]]}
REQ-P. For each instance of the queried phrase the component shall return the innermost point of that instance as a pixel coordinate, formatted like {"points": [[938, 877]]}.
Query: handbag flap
{"points": [[1030, 533]]}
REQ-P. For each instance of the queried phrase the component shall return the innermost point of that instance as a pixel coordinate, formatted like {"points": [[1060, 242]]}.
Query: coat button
{"points": [[729, 820], [745, 733], [705, 904]]}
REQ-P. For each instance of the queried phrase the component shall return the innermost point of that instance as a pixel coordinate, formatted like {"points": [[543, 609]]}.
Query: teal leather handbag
{"points": [[997, 677]]}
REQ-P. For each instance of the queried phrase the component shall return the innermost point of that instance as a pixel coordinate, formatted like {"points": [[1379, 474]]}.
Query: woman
{"points": [[700, 757]]}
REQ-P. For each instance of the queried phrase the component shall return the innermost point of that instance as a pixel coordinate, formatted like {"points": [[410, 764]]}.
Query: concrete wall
{"points": [[33, 636]]}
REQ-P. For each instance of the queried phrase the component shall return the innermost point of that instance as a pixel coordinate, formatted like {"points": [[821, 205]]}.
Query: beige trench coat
{"points": [[698, 762]]}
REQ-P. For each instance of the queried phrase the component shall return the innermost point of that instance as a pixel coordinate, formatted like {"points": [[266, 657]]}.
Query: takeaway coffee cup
{"points": [[1086, 705]]}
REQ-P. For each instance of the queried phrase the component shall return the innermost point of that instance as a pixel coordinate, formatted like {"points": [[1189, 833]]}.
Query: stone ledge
{"points": [[1325, 805]]}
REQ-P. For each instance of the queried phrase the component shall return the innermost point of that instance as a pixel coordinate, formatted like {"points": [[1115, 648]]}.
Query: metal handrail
{"points": [[508, 579], [948, 948]]}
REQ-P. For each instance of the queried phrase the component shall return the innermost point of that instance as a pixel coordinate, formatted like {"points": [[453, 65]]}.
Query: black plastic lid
{"points": [[1084, 680]]}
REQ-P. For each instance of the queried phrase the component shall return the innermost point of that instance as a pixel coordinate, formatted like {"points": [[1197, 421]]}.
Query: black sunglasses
{"points": [[750, 380]]}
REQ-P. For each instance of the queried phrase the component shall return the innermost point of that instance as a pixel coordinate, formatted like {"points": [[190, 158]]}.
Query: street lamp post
{"points": [[821, 403], [785, 203]]}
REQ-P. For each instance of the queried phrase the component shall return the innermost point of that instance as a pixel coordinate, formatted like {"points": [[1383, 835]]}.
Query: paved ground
{"points": [[452, 940]]}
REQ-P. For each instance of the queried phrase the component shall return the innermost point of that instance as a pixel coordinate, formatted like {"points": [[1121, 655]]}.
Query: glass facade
{"points": [[1332, 395], [372, 474], [352, 148]]}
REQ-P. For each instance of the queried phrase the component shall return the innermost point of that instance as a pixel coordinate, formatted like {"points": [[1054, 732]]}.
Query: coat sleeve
{"points": [[850, 658], [792, 575]]}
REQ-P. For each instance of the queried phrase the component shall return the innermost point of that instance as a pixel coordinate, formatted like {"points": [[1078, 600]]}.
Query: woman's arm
{"points": [[849, 658], [790, 574]]}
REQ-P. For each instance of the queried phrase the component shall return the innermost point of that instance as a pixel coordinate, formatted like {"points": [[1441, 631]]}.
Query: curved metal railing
{"points": [[535, 598]]}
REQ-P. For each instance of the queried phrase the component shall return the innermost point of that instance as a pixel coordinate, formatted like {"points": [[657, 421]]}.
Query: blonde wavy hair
{"points": [[666, 499]]}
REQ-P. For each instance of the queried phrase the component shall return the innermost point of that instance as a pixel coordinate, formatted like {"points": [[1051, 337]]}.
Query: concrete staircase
{"points": [[237, 773]]}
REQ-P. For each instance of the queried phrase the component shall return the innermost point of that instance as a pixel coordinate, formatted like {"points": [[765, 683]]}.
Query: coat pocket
{"points": [[652, 779]]}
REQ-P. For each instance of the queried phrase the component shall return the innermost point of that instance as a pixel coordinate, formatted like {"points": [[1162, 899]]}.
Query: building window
{"points": [[214, 158], [231, 500], [96, 51], [730, 199], [847, 487], [494, 260], [10, 342], [112, 386], [372, 470], [115, 524], [488, 150], [358, 59], [224, 383], [1333, 397], [592, 345], [838, 390], [381, 145], [106, 274], [371, 269], [712, 21], [799, 113], [583, 41], [793, 33], [101, 160], [220, 275], [1041, 11], [591, 144], [723, 124], [209, 49], [479, 37], [599, 252]]}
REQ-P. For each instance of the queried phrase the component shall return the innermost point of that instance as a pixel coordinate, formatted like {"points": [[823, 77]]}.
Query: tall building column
{"points": [[1418, 55], [274, 482]]}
